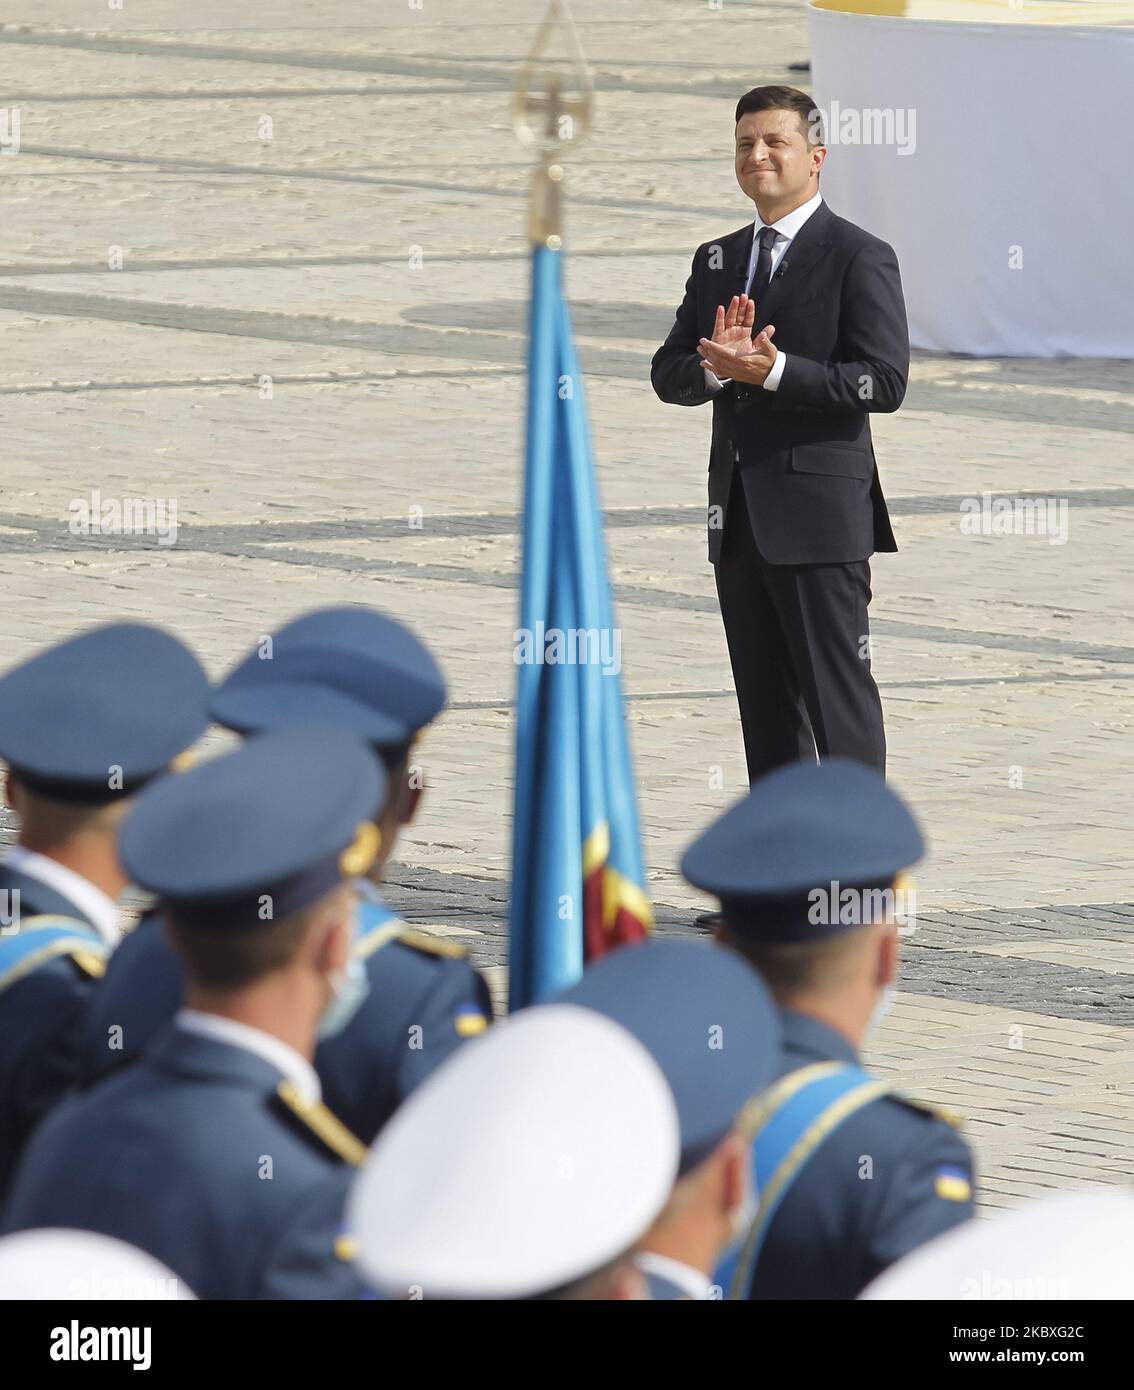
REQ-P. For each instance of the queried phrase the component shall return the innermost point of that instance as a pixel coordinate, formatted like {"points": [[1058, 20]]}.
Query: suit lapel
{"points": [[739, 253], [805, 249]]}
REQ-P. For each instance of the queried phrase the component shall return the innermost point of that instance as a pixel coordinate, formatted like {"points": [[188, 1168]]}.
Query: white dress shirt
{"points": [[273, 1050], [786, 228], [96, 906], [693, 1283]]}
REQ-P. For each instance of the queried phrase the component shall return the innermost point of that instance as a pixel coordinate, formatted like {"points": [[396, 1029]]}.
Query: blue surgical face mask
{"points": [[881, 1009], [742, 1217], [350, 989]]}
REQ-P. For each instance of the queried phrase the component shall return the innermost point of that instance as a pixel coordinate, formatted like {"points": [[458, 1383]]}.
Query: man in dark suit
{"points": [[795, 328]]}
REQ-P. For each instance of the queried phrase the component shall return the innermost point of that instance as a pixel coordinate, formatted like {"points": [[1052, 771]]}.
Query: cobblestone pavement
{"points": [[314, 344]]}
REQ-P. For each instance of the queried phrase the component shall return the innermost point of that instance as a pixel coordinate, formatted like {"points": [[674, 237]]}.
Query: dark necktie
{"points": [[763, 271]]}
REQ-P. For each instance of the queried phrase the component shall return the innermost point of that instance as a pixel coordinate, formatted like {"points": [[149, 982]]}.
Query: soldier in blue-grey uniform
{"points": [[83, 726], [214, 1152], [709, 1022], [411, 998], [852, 1173]]}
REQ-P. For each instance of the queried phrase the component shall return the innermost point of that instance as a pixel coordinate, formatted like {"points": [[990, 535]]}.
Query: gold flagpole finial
{"points": [[551, 110]]}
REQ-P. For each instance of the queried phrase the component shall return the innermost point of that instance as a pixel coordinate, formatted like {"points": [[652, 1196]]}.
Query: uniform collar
{"points": [[278, 1054], [89, 902], [672, 1278], [805, 1035]]}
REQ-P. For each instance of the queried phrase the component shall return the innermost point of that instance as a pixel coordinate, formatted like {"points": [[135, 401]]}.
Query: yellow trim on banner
{"points": [[596, 849], [618, 891]]}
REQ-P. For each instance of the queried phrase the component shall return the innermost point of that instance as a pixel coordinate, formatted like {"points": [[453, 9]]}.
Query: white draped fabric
{"points": [[1013, 211]]}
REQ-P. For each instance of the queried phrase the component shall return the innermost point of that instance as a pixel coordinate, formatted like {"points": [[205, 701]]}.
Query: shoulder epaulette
{"points": [[46, 937], [394, 929], [378, 937], [433, 945], [89, 963], [380, 927], [939, 1112], [326, 1127]]}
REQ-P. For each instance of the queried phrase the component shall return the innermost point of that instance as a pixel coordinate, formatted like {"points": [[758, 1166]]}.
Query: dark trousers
{"points": [[798, 640]]}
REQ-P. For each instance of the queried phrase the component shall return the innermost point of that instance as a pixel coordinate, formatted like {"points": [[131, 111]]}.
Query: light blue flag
{"points": [[578, 886]]}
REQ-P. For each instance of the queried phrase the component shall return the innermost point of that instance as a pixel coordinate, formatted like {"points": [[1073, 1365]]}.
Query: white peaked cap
{"points": [[1075, 1245], [535, 1155], [62, 1264]]}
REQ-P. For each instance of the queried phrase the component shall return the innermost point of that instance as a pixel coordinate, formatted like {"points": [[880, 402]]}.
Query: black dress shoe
{"points": [[708, 921]]}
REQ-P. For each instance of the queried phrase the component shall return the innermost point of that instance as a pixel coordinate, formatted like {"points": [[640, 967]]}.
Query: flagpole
{"points": [[578, 886], [551, 119], [551, 111]]}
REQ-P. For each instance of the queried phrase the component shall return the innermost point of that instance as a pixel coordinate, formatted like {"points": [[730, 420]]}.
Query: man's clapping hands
{"points": [[731, 353]]}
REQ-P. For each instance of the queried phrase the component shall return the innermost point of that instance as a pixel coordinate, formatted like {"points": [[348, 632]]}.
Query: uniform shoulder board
{"points": [[90, 963], [377, 937], [319, 1121], [433, 945], [939, 1112], [396, 930], [47, 937], [346, 1247]]}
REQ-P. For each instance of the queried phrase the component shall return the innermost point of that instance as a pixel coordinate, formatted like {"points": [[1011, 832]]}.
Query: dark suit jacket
{"points": [[41, 1015], [806, 456], [192, 1156], [868, 1195]]}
